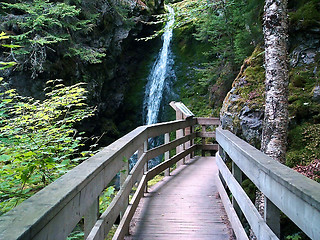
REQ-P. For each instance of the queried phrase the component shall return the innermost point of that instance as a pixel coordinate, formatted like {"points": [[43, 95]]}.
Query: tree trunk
{"points": [[274, 133]]}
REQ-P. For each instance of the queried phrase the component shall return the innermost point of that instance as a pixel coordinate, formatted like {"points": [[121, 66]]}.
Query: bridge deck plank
{"points": [[185, 205]]}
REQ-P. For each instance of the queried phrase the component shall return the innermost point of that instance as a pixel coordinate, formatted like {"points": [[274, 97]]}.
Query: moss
{"points": [[304, 144], [155, 180], [301, 106], [250, 83], [190, 87]]}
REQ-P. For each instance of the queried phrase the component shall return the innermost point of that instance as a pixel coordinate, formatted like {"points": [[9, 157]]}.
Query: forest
{"points": [[74, 74]]}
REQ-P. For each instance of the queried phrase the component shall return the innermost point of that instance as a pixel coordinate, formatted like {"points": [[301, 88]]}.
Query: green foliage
{"points": [[294, 237], [155, 180], [106, 198], [230, 30], [75, 235], [4, 65], [123, 10], [38, 142], [44, 24], [250, 189], [87, 54], [307, 15], [227, 26]]}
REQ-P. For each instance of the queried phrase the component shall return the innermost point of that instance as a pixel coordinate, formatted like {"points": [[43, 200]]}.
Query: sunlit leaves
{"points": [[3, 35], [37, 140], [4, 65]]}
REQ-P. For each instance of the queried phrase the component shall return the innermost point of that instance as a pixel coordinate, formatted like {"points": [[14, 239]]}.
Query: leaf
{"points": [[3, 35], [7, 65], [38, 139], [4, 158], [109, 191], [11, 46], [65, 162]]}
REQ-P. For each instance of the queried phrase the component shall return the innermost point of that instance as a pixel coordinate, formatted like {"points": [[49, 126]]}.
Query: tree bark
{"points": [[274, 133]]}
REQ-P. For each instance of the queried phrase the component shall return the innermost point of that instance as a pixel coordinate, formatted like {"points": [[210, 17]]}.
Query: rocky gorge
{"points": [[112, 69]]}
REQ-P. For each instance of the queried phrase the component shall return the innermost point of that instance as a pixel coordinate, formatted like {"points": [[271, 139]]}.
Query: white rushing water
{"points": [[157, 76]]}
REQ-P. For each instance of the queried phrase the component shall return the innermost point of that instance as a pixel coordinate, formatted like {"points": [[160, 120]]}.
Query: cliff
{"points": [[242, 110], [102, 52]]}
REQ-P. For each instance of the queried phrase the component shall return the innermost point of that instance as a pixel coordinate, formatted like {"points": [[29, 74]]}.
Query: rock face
{"points": [[242, 110], [109, 81]]}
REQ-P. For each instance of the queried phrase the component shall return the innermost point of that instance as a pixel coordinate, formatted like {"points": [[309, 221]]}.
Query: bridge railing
{"points": [[297, 196], [54, 212]]}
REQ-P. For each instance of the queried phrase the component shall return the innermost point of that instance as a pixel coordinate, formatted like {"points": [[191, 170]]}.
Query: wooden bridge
{"points": [[191, 202]]}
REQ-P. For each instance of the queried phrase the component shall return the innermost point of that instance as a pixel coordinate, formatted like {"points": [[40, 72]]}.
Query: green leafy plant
{"points": [[230, 30], [294, 237], [38, 141], [106, 198]]}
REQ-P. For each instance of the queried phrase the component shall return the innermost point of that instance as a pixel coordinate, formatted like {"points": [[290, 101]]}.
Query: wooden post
{"points": [[182, 112], [203, 141], [183, 146], [187, 131], [140, 152], [145, 149], [123, 176], [272, 216], [91, 217], [192, 130], [167, 154], [179, 134], [237, 174]]}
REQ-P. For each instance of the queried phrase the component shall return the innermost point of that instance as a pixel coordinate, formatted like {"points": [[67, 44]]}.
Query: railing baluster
{"points": [[272, 216], [183, 146], [187, 131], [203, 141], [91, 217], [179, 148], [167, 154], [237, 174], [140, 152], [123, 176], [145, 149], [192, 130]]}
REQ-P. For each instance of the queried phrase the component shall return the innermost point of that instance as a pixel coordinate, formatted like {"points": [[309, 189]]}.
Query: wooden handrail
{"points": [[294, 194], [53, 212], [208, 121]]}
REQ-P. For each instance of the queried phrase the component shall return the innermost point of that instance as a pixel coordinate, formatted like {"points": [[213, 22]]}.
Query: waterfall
{"points": [[157, 76]]}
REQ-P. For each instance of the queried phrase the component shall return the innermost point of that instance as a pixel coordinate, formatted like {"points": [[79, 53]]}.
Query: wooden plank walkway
{"points": [[185, 205]]}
